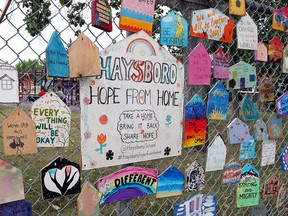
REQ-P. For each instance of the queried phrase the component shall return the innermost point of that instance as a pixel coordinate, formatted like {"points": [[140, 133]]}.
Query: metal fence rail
{"points": [[17, 45]]}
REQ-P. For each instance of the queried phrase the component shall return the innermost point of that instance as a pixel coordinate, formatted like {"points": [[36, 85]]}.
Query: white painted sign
{"points": [[268, 152], [285, 60], [247, 33], [135, 108], [52, 118]]}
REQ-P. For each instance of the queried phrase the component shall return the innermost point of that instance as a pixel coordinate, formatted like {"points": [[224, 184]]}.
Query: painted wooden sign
{"points": [[9, 83], [247, 33], [132, 106], [101, 15], [237, 131], [231, 173], [260, 130], [271, 187], [241, 75], [218, 102], [19, 134], [11, 183], [266, 92], [259, 210], [137, 15], [275, 49], [275, 128], [284, 159], [268, 152], [195, 122], [87, 201], [280, 19], [52, 117], [216, 155], [60, 177], [220, 65], [194, 178], [285, 60], [199, 66], [249, 109], [247, 148], [282, 105], [237, 7], [261, 54], [212, 24], [173, 30], [282, 194], [200, 204], [84, 60], [56, 57], [17, 208], [170, 183], [127, 183], [248, 188]]}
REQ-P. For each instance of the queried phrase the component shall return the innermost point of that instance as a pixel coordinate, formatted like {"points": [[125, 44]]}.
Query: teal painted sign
{"points": [[249, 109]]}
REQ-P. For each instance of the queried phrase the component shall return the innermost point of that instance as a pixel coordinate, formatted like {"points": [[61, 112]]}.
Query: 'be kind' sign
{"points": [[134, 109]]}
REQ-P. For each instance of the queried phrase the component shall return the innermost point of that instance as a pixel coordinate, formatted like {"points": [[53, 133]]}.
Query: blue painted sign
{"points": [[275, 130], [56, 57], [173, 30], [260, 130], [282, 105], [237, 131], [247, 149], [18, 208], [218, 102], [249, 109], [284, 159]]}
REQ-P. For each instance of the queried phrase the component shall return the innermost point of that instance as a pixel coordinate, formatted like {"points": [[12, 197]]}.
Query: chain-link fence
{"points": [[16, 45]]}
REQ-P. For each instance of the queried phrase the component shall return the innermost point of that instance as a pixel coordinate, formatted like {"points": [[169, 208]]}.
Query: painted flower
{"points": [[87, 134], [86, 101], [101, 138]]}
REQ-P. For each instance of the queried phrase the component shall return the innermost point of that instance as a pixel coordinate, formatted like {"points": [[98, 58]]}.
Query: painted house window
{"points": [[6, 84]]}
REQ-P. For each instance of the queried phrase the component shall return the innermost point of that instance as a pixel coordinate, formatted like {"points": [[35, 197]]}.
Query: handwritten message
{"points": [[247, 33]]}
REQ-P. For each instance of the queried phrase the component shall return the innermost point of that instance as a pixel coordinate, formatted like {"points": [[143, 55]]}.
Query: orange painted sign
{"points": [[280, 19]]}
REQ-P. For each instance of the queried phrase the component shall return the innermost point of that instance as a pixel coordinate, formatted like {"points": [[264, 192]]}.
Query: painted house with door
{"points": [[9, 84]]}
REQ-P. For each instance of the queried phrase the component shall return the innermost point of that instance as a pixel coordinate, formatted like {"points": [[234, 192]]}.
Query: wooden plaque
{"points": [[87, 201], [101, 15]]}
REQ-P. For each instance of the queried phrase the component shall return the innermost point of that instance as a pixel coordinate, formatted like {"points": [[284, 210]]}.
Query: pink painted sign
{"points": [[199, 66], [221, 65], [261, 54]]}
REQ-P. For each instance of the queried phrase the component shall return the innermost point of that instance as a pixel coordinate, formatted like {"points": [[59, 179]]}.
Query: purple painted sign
{"points": [[221, 65], [18, 208]]}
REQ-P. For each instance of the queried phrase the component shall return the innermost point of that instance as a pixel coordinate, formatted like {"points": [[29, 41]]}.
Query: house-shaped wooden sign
{"points": [[271, 187], [247, 33], [60, 177], [84, 59], [259, 210], [11, 183], [170, 183], [261, 54], [231, 173], [137, 15], [248, 188], [19, 134], [218, 102], [101, 15], [275, 49], [282, 196], [9, 83], [200, 204], [117, 187], [195, 122], [87, 200], [284, 159], [260, 130], [17, 208], [285, 60], [247, 148], [212, 24], [249, 109], [174, 30], [268, 152], [275, 128], [199, 66], [237, 131], [282, 105], [52, 118], [56, 57], [237, 7], [280, 19], [266, 92], [220, 65], [216, 155], [241, 75], [194, 177]]}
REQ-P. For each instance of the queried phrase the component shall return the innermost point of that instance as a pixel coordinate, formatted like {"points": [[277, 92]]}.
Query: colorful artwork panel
{"points": [[17, 208], [218, 102], [249, 109], [87, 201], [284, 159], [275, 128], [282, 105], [127, 183], [101, 15], [231, 173], [174, 30], [280, 19], [195, 108], [212, 24], [271, 187], [261, 54], [268, 152], [237, 7], [275, 50], [237, 131], [220, 65], [170, 183], [194, 178], [260, 130], [59, 178], [195, 132], [247, 148], [266, 92]]}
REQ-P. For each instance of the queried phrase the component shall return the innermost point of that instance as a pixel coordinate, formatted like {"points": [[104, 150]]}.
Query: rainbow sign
{"points": [[127, 183]]}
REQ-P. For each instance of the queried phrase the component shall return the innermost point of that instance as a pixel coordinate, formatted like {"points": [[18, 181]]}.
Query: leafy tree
{"points": [[30, 65]]}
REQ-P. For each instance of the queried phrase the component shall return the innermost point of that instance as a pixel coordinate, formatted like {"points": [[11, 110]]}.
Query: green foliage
{"points": [[30, 65]]}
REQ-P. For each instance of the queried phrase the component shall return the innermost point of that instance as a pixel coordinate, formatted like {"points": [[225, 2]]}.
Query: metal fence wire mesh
{"points": [[19, 46]]}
